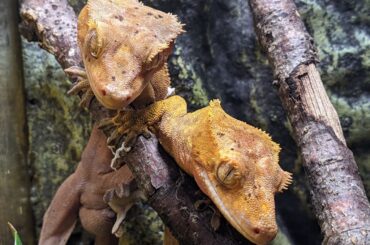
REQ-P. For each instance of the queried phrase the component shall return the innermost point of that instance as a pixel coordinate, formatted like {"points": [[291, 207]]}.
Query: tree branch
{"points": [[338, 195], [53, 25]]}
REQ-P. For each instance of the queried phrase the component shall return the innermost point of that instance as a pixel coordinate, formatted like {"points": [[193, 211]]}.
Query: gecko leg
{"points": [[130, 128], [127, 126], [82, 84], [120, 200]]}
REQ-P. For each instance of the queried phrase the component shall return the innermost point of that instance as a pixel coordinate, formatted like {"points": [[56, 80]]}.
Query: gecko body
{"points": [[233, 163]]}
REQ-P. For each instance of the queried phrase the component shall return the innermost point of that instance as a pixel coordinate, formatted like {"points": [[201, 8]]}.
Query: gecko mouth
{"points": [[257, 235]]}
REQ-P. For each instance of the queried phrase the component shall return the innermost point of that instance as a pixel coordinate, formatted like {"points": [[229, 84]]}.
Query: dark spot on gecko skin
{"points": [[123, 72], [119, 17], [136, 8], [113, 78], [136, 32], [54, 7], [149, 13], [160, 16], [104, 93]]}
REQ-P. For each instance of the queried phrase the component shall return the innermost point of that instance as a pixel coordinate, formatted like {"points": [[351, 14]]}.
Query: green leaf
{"points": [[17, 239]]}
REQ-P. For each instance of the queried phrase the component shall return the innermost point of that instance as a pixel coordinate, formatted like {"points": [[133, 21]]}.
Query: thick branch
{"points": [[53, 25], [338, 195]]}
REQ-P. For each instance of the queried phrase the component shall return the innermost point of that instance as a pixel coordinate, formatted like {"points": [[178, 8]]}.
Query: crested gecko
{"points": [[124, 46], [233, 163]]}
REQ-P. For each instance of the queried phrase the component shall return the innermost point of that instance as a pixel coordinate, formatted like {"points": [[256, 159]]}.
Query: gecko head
{"points": [[236, 166], [123, 43]]}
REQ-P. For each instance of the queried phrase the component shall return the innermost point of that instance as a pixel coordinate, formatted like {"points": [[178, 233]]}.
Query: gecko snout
{"points": [[264, 234], [114, 98]]}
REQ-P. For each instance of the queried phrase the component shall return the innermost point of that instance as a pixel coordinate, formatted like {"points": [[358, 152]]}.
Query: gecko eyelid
{"points": [[95, 44], [228, 174]]}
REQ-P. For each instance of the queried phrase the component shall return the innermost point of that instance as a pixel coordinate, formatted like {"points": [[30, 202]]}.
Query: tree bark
{"points": [[15, 204], [338, 195], [53, 25]]}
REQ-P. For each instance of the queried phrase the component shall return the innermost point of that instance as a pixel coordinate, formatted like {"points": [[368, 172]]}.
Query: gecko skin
{"points": [[95, 193], [124, 46], [233, 163]]}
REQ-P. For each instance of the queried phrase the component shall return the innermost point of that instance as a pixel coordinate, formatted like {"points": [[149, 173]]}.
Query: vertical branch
{"points": [[14, 183], [338, 195]]}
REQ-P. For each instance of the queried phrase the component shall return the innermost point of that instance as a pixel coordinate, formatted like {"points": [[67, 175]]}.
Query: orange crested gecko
{"points": [[233, 163], [124, 46]]}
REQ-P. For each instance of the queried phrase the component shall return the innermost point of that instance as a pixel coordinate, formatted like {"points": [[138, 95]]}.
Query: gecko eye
{"points": [[228, 174], [94, 44]]}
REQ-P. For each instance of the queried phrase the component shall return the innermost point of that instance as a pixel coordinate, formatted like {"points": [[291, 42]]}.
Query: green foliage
{"points": [[17, 239]]}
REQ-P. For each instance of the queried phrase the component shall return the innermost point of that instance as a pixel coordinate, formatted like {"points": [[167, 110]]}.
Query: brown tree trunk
{"points": [[14, 183], [338, 195]]}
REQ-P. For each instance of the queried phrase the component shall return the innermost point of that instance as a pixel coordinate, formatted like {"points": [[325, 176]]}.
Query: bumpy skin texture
{"points": [[87, 194], [125, 46], [233, 163]]}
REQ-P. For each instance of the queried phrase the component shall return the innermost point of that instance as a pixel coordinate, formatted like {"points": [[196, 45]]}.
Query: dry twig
{"points": [[338, 195]]}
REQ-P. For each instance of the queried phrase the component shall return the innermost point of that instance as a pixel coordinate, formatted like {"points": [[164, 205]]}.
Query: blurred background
{"points": [[43, 131]]}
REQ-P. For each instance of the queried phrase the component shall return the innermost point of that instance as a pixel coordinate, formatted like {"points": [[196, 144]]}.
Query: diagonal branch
{"points": [[53, 25], [338, 195]]}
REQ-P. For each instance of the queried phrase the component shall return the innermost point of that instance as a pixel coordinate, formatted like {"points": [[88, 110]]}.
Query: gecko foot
{"points": [[82, 84], [127, 126], [120, 200]]}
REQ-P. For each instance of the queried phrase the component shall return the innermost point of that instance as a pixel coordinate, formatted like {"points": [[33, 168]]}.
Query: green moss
{"points": [[186, 72], [333, 42], [261, 118], [355, 118], [77, 4], [200, 96], [58, 128], [363, 162], [143, 226]]}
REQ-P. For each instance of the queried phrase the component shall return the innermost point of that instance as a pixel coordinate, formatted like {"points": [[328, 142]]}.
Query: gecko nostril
{"points": [[127, 98], [104, 93], [256, 230]]}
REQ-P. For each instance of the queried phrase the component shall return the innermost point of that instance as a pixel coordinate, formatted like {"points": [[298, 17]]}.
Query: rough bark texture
{"points": [[14, 181], [53, 24], [338, 195]]}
